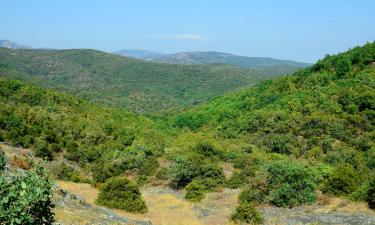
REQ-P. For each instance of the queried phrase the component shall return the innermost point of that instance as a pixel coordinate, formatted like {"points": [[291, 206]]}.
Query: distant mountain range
{"points": [[11, 44], [209, 58]]}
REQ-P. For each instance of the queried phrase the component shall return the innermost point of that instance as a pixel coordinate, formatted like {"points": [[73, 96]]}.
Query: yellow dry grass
{"points": [[169, 207]]}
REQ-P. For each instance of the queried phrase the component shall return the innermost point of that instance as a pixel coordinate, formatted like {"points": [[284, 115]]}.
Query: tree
{"points": [[120, 193]]}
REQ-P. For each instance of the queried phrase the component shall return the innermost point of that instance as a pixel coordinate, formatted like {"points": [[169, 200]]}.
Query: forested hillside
{"points": [[287, 138], [133, 84], [323, 114], [226, 58]]}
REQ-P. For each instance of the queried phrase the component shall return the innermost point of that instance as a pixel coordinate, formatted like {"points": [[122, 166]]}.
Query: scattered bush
{"points": [[120, 193], [247, 213]]}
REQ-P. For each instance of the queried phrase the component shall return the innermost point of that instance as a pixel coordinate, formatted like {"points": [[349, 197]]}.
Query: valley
{"points": [[295, 149]]}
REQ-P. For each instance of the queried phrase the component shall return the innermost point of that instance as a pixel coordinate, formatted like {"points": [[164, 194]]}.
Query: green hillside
{"points": [[318, 121], [225, 58], [288, 139], [124, 82]]}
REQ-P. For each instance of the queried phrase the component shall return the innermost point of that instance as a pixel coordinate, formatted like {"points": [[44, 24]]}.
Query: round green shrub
{"points": [[195, 190], [120, 193], [247, 213], [343, 180]]}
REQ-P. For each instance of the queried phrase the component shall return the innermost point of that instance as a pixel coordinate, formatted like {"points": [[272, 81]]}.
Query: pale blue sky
{"points": [[303, 30]]}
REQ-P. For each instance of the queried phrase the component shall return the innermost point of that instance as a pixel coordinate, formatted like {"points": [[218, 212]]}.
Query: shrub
{"points": [[149, 166], [2, 160], [237, 180], [184, 171], [67, 172], [213, 172], [162, 174], [208, 149], [371, 194], [251, 195], [283, 183], [142, 180], [120, 193], [195, 190], [25, 198], [343, 180], [247, 213]]}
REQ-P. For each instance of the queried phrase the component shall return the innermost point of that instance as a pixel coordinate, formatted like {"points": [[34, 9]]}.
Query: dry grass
{"points": [[331, 204], [168, 207]]}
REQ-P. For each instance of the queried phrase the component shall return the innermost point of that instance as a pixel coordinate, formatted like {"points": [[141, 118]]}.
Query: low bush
{"points": [[120, 193], [25, 198], [247, 213], [371, 194], [237, 180], [195, 190], [162, 174], [2, 160], [284, 183], [343, 181], [67, 172], [142, 180]]}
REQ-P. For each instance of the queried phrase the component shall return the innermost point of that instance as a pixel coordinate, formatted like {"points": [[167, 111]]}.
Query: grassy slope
{"points": [[133, 84]]}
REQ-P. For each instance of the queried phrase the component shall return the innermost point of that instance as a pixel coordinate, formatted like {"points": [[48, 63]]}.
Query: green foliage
{"points": [[343, 181], [2, 160], [162, 174], [120, 193], [149, 166], [142, 180], [247, 213], [371, 194], [283, 183], [195, 190], [237, 180], [85, 133], [119, 81], [64, 171], [25, 198]]}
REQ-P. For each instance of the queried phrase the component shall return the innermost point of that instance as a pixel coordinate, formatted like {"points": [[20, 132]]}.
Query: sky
{"points": [[302, 30]]}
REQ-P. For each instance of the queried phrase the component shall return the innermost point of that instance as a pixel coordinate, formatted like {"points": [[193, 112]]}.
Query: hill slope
{"points": [[225, 58], [138, 53], [328, 107], [119, 81]]}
